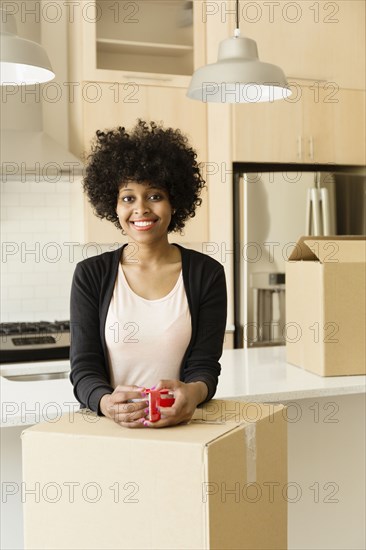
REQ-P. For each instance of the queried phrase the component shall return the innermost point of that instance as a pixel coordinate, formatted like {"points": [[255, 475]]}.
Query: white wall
{"points": [[38, 253]]}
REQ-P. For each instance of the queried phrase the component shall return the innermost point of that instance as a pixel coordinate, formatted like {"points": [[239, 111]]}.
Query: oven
{"points": [[34, 372], [34, 343]]}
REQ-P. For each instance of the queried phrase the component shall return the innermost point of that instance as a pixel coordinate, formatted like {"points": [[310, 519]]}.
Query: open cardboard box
{"points": [[217, 482], [326, 305]]}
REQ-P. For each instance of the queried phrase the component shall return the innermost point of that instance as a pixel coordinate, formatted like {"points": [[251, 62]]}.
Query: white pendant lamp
{"points": [[21, 61], [238, 76]]}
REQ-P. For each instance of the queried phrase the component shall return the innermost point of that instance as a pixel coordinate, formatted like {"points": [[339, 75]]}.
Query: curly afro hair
{"points": [[149, 154]]}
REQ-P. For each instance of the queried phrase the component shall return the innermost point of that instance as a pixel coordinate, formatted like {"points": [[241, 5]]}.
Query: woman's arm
{"points": [[89, 372], [202, 362]]}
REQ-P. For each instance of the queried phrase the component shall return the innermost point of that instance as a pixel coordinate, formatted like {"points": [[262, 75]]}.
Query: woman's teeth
{"points": [[142, 224]]}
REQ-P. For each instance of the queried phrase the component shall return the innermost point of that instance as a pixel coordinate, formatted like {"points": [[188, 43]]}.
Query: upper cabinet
{"points": [[155, 41], [317, 124], [349, 127], [314, 40], [145, 37]]}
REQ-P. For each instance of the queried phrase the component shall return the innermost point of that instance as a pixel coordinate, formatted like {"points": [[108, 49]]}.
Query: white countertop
{"points": [[262, 374], [259, 374]]}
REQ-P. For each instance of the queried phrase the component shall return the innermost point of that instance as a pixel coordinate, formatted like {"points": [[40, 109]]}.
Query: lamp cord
{"points": [[237, 31]]}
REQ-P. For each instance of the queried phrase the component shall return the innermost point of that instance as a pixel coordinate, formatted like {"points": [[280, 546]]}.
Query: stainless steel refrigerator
{"points": [[272, 209]]}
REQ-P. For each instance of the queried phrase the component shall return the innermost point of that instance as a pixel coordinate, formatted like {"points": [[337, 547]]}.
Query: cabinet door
{"points": [[150, 42], [318, 112], [268, 132], [349, 121], [334, 125], [169, 106]]}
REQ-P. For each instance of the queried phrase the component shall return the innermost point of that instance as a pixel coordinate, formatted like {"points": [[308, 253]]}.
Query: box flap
{"points": [[212, 421], [302, 252], [330, 249], [87, 425]]}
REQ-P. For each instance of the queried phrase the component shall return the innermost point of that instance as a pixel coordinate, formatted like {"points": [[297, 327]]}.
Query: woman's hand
{"points": [[187, 397], [118, 407]]}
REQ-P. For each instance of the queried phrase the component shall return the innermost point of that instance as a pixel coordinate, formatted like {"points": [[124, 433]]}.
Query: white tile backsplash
{"points": [[38, 253]]}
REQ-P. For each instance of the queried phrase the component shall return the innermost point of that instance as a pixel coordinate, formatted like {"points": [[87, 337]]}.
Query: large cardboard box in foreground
{"points": [[218, 482], [326, 305]]}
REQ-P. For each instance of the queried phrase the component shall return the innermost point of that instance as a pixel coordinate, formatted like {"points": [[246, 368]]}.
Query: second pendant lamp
{"points": [[238, 76]]}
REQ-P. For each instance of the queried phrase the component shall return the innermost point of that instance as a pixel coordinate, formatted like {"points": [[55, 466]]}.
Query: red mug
{"points": [[158, 398]]}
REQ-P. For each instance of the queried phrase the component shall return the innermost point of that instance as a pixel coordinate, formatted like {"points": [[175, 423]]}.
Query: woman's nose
{"points": [[141, 206]]}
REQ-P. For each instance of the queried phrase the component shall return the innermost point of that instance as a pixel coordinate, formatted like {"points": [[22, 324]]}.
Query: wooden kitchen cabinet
{"points": [[318, 124], [313, 40], [349, 127], [267, 132], [153, 42], [334, 126]]}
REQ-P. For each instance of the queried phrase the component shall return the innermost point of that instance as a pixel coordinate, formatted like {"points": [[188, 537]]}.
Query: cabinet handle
{"points": [[299, 147], [160, 78], [311, 148]]}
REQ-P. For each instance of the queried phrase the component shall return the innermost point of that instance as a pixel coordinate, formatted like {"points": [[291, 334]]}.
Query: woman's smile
{"points": [[143, 225]]}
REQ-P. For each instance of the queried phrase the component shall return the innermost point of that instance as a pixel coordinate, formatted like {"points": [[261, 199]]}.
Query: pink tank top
{"points": [[146, 339]]}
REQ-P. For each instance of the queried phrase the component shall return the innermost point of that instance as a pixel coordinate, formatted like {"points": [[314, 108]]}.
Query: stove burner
{"points": [[37, 327]]}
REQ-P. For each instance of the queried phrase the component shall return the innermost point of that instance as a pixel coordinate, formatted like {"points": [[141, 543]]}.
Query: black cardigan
{"points": [[91, 293]]}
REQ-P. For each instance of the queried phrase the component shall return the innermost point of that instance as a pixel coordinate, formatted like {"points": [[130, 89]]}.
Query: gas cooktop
{"points": [[34, 341]]}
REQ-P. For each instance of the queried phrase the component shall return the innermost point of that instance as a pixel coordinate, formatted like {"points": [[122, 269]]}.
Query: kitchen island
{"points": [[257, 374], [326, 440], [326, 443]]}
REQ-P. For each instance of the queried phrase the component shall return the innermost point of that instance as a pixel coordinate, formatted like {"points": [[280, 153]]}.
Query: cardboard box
{"points": [[325, 305], [218, 482]]}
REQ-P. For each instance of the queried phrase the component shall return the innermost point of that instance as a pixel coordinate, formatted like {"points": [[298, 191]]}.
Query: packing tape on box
{"points": [[251, 447]]}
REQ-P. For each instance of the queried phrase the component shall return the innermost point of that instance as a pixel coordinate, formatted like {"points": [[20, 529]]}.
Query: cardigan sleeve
{"points": [[202, 361], [89, 372]]}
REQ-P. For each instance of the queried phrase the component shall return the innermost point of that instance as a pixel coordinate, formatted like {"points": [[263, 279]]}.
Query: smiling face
{"points": [[144, 211]]}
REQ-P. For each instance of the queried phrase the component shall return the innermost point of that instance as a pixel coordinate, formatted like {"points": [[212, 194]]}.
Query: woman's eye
{"points": [[153, 197]]}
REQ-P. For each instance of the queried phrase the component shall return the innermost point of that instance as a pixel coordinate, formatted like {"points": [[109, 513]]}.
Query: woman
{"points": [[150, 313]]}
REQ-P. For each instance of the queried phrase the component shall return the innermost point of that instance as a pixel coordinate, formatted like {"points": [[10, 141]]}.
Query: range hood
{"points": [[32, 154]]}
